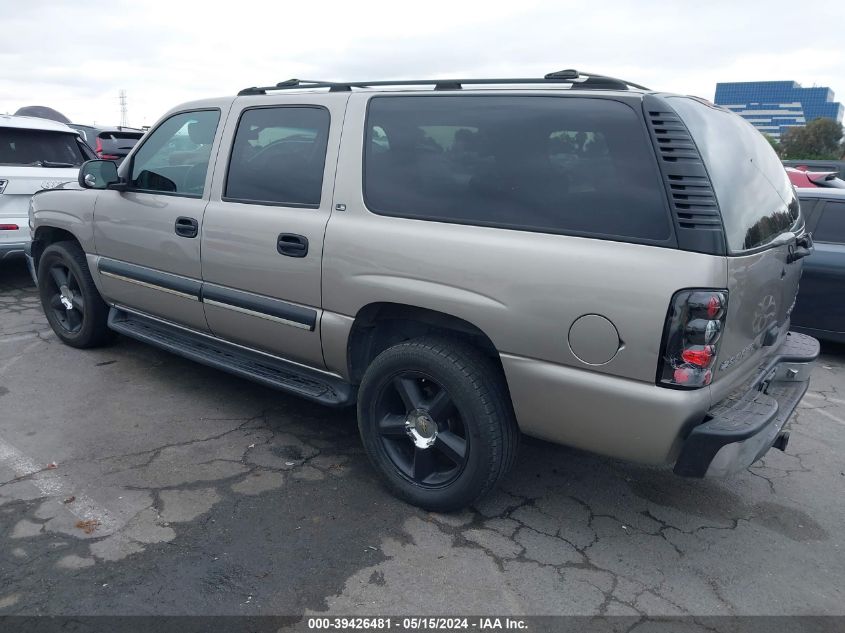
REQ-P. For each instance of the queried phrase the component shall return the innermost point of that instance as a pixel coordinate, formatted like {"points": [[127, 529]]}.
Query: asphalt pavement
{"points": [[136, 482]]}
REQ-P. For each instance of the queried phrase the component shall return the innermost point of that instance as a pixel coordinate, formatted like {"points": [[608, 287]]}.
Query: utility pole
{"points": [[124, 119]]}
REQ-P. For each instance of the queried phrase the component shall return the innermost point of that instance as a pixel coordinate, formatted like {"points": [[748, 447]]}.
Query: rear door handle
{"points": [[292, 245], [187, 227]]}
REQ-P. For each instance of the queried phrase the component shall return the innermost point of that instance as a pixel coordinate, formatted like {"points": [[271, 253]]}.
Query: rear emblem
{"points": [[764, 314]]}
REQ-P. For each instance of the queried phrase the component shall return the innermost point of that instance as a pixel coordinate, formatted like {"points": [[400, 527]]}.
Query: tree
{"points": [[819, 140], [773, 142]]}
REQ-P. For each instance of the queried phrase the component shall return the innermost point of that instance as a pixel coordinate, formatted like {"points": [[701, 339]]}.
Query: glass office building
{"points": [[774, 106]]}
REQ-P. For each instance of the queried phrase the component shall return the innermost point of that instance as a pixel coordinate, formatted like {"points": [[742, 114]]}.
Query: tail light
{"points": [[691, 338], [9, 227], [100, 154]]}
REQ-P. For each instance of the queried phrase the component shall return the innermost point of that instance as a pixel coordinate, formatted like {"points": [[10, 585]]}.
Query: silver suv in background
{"points": [[573, 257]]}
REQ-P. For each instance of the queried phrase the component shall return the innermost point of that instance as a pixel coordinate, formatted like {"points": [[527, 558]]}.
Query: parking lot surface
{"points": [[135, 482]]}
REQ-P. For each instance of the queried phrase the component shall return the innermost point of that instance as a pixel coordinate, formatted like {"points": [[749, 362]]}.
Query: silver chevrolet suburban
{"points": [[572, 257]]}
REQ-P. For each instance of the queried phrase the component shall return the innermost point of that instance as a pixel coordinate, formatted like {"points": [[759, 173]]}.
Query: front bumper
{"points": [[739, 430]]}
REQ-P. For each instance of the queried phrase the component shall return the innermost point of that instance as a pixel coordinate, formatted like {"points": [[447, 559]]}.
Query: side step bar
{"points": [[272, 372]]}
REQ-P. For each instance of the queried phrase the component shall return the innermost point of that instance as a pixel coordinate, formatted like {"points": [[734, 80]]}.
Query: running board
{"points": [[270, 371]]}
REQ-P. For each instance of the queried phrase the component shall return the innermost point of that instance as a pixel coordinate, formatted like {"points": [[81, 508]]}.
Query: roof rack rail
{"points": [[569, 76]]}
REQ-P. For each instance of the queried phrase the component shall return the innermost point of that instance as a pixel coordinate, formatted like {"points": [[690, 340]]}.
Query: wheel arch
{"points": [[380, 325], [45, 236]]}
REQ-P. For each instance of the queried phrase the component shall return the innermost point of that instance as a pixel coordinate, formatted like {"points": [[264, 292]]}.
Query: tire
{"points": [[437, 422], [63, 275]]}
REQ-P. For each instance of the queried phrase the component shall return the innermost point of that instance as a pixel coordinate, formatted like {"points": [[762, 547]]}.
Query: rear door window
{"points": [[552, 164], [39, 147], [278, 156], [755, 196], [831, 225]]}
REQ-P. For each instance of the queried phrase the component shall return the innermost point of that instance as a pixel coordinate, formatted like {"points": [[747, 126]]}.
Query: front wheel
{"points": [[71, 302], [436, 422]]}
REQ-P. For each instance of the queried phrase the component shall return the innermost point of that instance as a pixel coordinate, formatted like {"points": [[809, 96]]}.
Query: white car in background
{"points": [[35, 154]]}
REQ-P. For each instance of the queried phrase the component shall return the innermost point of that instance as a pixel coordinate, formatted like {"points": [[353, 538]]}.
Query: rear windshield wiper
{"points": [[47, 163]]}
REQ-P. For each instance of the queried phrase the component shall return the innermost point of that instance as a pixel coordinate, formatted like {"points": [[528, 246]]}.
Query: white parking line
{"points": [[51, 485], [18, 337], [5, 366], [820, 396], [827, 414]]}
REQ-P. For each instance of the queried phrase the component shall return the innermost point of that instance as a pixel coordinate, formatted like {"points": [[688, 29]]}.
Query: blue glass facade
{"points": [[774, 106]]}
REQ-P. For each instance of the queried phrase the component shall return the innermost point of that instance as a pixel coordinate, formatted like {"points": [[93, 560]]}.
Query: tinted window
{"points": [[755, 195], [35, 147], [551, 164], [831, 226], [278, 156], [174, 158], [118, 143]]}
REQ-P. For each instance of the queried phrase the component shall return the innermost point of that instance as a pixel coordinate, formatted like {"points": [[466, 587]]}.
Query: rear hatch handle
{"points": [[803, 248], [799, 247]]}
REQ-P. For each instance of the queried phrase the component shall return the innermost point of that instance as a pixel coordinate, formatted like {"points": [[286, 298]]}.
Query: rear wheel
{"points": [[71, 302], [436, 422]]}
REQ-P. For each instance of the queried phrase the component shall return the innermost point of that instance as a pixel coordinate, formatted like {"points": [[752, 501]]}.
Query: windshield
{"points": [[755, 195], [39, 148]]}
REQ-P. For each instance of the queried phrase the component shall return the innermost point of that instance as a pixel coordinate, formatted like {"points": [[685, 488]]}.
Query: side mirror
{"points": [[98, 174]]}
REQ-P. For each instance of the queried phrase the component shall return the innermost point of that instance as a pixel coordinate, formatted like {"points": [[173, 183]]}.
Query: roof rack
{"points": [[569, 76]]}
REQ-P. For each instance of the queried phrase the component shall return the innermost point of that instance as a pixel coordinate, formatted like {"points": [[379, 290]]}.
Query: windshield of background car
{"points": [[755, 196], [31, 147]]}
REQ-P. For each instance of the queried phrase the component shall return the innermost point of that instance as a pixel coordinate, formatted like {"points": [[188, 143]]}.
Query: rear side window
{"points": [[174, 157], [549, 164], [38, 147], [278, 156], [755, 195], [831, 226]]}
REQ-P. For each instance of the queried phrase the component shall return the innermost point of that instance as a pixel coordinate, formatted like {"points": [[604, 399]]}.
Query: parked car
{"points": [[820, 310], [837, 166], [801, 178], [35, 154], [431, 256], [110, 143]]}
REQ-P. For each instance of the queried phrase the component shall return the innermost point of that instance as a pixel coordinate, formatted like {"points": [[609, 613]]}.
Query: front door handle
{"points": [[187, 227], [292, 245]]}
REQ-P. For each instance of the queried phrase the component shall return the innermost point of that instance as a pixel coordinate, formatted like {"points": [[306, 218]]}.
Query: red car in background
{"points": [[803, 178]]}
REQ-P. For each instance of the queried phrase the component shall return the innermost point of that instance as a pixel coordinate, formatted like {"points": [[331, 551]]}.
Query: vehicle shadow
{"points": [[14, 275]]}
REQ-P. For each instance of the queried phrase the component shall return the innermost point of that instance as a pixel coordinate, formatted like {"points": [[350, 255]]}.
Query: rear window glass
{"points": [[755, 195], [37, 147], [831, 226], [550, 164]]}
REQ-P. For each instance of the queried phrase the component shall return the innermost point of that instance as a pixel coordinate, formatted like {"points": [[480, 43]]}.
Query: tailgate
{"points": [[23, 181], [761, 294], [763, 229]]}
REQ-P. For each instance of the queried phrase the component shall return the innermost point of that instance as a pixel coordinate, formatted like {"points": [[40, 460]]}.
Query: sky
{"points": [[77, 56]]}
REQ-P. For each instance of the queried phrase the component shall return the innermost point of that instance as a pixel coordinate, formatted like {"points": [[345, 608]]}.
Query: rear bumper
{"points": [[739, 430], [12, 249]]}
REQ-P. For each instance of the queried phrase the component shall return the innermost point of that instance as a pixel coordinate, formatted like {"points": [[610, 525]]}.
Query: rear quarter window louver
{"points": [[694, 206]]}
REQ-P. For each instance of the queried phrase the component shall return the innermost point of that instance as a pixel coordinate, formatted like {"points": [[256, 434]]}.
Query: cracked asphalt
{"points": [[135, 482]]}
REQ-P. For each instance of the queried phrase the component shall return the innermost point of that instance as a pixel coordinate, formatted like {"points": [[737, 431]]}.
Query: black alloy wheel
{"points": [[66, 301], [436, 421], [70, 299], [421, 430]]}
